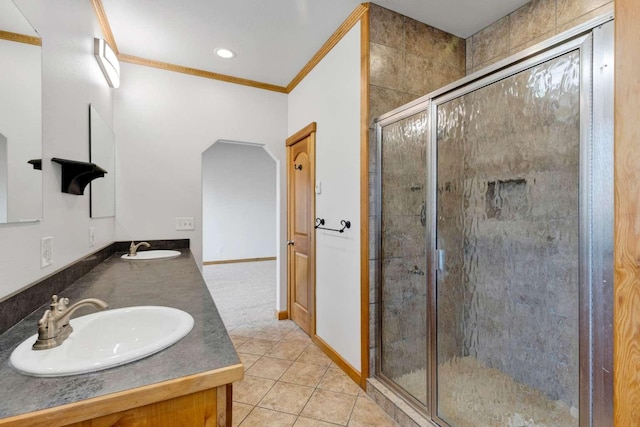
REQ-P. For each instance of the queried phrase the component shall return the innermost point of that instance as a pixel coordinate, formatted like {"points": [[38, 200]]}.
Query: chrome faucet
{"points": [[134, 248], [54, 326]]}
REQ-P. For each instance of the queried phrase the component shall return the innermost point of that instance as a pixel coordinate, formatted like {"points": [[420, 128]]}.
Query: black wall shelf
{"points": [[76, 175], [36, 163]]}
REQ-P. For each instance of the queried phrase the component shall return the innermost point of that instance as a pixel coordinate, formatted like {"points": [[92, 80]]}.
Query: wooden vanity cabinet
{"points": [[198, 400]]}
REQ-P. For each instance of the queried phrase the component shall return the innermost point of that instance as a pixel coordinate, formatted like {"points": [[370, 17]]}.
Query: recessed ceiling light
{"points": [[225, 53]]}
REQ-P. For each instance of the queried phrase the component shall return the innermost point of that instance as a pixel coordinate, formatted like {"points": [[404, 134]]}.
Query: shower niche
{"points": [[495, 264]]}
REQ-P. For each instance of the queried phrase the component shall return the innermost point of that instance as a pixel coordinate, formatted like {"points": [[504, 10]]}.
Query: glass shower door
{"points": [[403, 317], [507, 233]]}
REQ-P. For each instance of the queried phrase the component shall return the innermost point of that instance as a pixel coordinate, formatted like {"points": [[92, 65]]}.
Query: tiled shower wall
{"points": [[408, 59], [533, 23]]}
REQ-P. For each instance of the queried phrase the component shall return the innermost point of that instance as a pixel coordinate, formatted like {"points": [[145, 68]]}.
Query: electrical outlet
{"points": [[220, 249], [92, 236], [185, 223], [46, 252]]}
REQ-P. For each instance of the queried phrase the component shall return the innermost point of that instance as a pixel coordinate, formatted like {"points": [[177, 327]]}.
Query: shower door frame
{"points": [[583, 45], [594, 40], [389, 119]]}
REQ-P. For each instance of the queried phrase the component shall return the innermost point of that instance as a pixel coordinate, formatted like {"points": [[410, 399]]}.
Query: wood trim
{"points": [[343, 29], [20, 38], [364, 198], [108, 35], [234, 261], [229, 404], [198, 409], [626, 337], [307, 131], [223, 398], [104, 24], [282, 315], [338, 360], [288, 203], [335, 38], [125, 400], [312, 245], [199, 73], [302, 133]]}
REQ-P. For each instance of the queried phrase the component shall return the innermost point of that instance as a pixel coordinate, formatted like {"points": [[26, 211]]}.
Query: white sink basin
{"points": [[146, 255], [105, 339]]}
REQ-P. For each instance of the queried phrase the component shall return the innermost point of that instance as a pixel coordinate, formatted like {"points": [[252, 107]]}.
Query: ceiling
{"points": [[273, 39], [12, 20]]}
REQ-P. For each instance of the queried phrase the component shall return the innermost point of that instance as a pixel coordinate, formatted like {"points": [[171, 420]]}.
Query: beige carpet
{"points": [[472, 395], [245, 293]]}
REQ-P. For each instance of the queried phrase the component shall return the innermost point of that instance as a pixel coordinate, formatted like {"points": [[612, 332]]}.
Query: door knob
{"points": [[289, 242]]}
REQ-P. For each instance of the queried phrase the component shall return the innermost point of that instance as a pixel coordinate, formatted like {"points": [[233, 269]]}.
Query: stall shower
{"points": [[495, 219]]}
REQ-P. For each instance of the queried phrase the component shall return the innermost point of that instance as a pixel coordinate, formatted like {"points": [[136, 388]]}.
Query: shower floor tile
{"points": [[474, 395]]}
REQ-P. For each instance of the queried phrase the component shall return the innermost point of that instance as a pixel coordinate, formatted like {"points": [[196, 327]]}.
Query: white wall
{"points": [[164, 121], [102, 153], [238, 202], [4, 186], [71, 79], [330, 96]]}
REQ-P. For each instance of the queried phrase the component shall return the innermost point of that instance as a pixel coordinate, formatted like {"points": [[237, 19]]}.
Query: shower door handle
{"points": [[440, 260]]}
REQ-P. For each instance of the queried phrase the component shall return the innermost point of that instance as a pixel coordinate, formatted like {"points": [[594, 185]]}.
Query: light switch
{"points": [[185, 223], [318, 187]]}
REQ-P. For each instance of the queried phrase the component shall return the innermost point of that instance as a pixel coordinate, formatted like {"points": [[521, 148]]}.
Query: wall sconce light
{"points": [[108, 62]]}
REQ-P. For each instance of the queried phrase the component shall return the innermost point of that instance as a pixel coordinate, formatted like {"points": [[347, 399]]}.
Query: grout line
{"points": [[254, 330]]}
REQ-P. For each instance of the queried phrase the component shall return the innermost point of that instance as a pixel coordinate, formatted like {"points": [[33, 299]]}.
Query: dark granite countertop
{"points": [[173, 282]]}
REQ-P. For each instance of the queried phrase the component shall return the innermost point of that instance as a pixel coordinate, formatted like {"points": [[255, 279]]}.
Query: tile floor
{"points": [[288, 380]]}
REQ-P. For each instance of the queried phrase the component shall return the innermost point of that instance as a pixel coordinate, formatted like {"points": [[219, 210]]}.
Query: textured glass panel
{"points": [[404, 288], [507, 203]]}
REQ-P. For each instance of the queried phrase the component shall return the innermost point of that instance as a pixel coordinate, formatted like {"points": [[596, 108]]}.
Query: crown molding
{"points": [[199, 73], [104, 24], [20, 38], [344, 28]]}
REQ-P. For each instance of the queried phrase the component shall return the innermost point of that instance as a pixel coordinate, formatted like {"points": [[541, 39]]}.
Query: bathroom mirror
{"points": [[102, 153], [20, 117]]}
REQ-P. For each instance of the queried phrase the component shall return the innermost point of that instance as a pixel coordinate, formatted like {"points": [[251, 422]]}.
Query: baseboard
{"points": [[233, 261], [282, 315], [338, 360]]}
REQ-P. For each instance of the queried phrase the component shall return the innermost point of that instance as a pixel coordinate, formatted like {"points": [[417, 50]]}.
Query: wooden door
{"points": [[301, 228]]}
